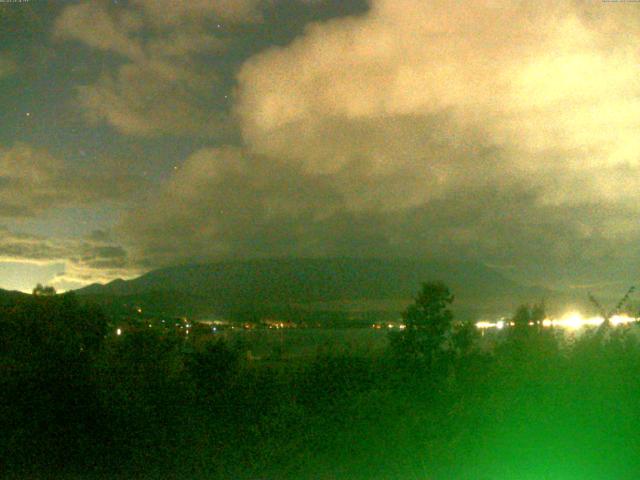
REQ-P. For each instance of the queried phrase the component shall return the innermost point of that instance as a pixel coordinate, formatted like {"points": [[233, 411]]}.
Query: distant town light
{"points": [[570, 321], [621, 320], [484, 325]]}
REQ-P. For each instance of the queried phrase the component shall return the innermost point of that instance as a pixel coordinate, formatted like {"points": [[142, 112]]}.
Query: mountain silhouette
{"points": [[315, 283]]}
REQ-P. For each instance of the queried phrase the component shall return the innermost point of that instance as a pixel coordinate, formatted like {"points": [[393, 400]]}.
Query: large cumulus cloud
{"points": [[500, 132]]}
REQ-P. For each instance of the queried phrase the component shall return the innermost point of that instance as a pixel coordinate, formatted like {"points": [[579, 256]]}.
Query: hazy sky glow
{"points": [[144, 133]]}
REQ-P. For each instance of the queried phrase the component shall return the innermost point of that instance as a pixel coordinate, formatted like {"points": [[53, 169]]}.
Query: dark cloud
{"points": [[231, 204], [225, 203], [100, 236]]}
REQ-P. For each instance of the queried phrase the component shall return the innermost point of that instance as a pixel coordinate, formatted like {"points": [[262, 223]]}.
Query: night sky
{"points": [[145, 133]]}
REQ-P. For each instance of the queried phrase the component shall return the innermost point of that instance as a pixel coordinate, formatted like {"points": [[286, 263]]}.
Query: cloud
{"points": [[94, 25], [534, 76], [85, 260], [502, 133], [532, 103], [162, 85], [224, 203], [179, 43], [227, 203], [168, 12], [32, 181], [154, 98]]}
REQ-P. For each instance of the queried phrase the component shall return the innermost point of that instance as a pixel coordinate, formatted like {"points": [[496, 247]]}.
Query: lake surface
{"points": [[307, 342]]}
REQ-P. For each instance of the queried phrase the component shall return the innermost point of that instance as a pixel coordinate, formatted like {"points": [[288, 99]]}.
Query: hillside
{"points": [[312, 284], [10, 296]]}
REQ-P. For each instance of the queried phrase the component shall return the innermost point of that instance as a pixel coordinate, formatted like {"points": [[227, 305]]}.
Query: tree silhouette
{"points": [[529, 315], [527, 341], [44, 291], [522, 317], [428, 324], [538, 314], [48, 346]]}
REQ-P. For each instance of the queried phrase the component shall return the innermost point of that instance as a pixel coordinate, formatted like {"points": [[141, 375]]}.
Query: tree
{"points": [[48, 399], [44, 291], [428, 324], [213, 367], [464, 337], [538, 314], [522, 317], [528, 341], [529, 315]]}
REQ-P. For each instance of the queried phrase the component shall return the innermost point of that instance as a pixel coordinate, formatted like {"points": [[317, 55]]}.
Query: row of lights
{"points": [[379, 326], [188, 326], [570, 321]]}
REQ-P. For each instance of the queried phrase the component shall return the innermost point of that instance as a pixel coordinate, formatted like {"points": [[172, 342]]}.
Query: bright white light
{"points": [[569, 321], [572, 321], [621, 320], [485, 325], [119, 331]]}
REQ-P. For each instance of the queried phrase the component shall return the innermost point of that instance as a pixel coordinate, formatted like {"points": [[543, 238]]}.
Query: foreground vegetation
{"points": [[78, 403]]}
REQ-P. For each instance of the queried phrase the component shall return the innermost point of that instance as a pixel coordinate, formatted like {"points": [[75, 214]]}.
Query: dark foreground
{"points": [[77, 403]]}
